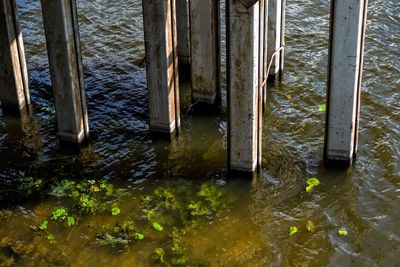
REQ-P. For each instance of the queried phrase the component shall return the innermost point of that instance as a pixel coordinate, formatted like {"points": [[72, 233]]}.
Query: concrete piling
{"points": [[63, 45], [283, 26], [14, 87], [265, 54], [262, 79], [276, 16], [255, 50], [204, 21], [161, 43], [243, 66], [183, 28], [348, 19]]}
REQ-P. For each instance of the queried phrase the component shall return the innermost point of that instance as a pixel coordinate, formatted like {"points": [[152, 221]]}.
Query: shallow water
{"points": [[252, 229]]}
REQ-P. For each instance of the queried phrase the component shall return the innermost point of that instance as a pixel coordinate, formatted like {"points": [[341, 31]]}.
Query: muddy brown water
{"points": [[252, 229]]}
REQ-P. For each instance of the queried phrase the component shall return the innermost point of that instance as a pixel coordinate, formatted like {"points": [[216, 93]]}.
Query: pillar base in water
{"points": [[242, 174], [63, 44], [204, 21], [161, 46], [346, 51], [12, 109], [338, 162], [206, 99], [243, 168], [202, 108], [163, 129], [73, 138], [243, 68]]}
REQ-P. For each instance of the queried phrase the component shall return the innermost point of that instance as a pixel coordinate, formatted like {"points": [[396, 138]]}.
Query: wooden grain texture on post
{"points": [[14, 87], [204, 21], [161, 44], [243, 33], [348, 20], [63, 46], [183, 28]]}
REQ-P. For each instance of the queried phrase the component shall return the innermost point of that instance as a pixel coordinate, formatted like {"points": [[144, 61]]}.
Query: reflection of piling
{"points": [[183, 28], [14, 88], [347, 31], [162, 64], [63, 45], [243, 41], [204, 22]]}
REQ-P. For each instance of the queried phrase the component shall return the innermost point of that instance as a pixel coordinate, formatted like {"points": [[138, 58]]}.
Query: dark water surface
{"points": [[248, 221]]}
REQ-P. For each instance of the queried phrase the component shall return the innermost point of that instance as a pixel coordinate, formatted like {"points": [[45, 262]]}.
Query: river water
{"points": [[247, 221]]}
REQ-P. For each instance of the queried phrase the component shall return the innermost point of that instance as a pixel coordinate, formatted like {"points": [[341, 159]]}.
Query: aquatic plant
{"points": [[167, 214], [42, 231], [61, 215], [158, 227], [120, 235], [310, 226], [115, 211], [158, 255], [30, 185], [312, 182], [322, 108], [180, 208], [293, 230], [176, 253], [342, 232], [43, 225], [87, 196]]}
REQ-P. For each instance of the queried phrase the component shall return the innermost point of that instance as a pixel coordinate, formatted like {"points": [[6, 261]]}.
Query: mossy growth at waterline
{"points": [[162, 217]]}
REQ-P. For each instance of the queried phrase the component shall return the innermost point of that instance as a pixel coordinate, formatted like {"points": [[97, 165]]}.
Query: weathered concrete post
{"points": [[276, 15], [265, 54], [183, 28], [63, 46], [14, 88], [204, 22], [243, 64], [261, 77], [283, 26], [161, 44], [348, 19]]}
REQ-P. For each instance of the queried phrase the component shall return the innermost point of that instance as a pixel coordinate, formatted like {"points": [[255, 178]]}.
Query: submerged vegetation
{"points": [[312, 183], [167, 215], [100, 215], [163, 217]]}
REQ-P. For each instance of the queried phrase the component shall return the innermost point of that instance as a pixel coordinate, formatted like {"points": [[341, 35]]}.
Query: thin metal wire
{"points": [[270, 64]]}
